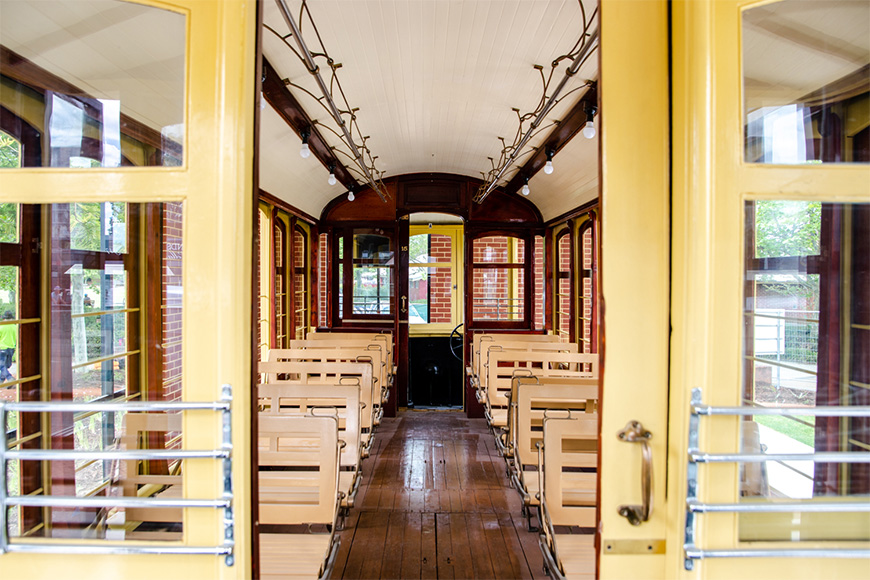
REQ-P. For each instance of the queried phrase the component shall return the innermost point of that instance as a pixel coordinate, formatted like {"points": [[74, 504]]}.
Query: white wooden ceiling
{"points": [[435, 82]]}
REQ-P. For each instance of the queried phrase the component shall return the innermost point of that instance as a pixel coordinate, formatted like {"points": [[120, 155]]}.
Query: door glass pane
{"points": [[372, 290], [498, 294], [806, 344], [95, 346], [431, 294], [101, 81], [805, 82]]}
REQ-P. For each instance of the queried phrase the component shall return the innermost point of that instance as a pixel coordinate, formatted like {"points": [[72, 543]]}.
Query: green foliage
{"points": [[84, 224], [10, 151], [787, 228]]}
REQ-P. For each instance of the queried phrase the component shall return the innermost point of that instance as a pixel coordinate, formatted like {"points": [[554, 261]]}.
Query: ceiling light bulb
{"points": [[305, 152], [589, 129], [350, 196], [526, 189], [332, 180], [548, 167]]}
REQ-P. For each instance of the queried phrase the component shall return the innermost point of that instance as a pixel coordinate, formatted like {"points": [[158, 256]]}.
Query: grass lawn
{"points": [[788, 426]]}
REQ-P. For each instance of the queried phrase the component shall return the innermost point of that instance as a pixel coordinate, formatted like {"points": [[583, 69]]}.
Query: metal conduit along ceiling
{"points": [[435, 84]]}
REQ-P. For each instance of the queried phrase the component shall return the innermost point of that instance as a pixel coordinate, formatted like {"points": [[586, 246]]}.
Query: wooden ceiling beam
{"points": [[566, 130], [277, 94]]}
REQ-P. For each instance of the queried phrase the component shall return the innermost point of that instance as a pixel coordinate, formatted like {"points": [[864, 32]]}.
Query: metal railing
{"points": [[696, 457], [224, 454]]}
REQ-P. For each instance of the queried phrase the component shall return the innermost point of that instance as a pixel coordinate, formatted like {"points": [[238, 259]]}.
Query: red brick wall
{"points": [[538, 307], [300, 298], [440, 282], [172, 263], [563, 300], [491, 284], [321, 281]]}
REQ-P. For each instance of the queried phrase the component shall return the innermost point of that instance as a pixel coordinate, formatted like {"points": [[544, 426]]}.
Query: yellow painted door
{"points": [[634, 283], [770, 187], [206, 171]]}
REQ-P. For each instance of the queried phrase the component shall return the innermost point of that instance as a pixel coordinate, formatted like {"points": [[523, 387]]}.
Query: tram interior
{"points": [[426, 283]]}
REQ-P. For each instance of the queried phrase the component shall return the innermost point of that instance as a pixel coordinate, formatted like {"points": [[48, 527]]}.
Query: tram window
{"points": [[540, 311], [113, 333], [563, 285], [300, 282], [368, 269], [498, 278], [110, 94], [322, 279], [806, 101], [806, 344]]}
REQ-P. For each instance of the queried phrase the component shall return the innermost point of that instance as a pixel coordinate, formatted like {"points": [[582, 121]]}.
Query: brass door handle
{"points": [[404, 308], [637, 514]]}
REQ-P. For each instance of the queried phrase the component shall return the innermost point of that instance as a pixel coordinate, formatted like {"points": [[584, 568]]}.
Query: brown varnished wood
{"points": [[435, 503]]}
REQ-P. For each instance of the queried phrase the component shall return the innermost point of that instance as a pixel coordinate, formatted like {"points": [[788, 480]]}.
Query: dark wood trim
{"points": [[21, 70], [574, 213], [153, 229], [30, 351], [566, 130], [288, 108], [270, 199], [27, 135], [400, 395], [275, 223]]}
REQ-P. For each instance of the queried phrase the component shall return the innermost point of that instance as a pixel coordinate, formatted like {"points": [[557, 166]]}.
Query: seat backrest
{"points": [[325, 351], [504, 365], [570, 443], [328, 373], [384, 338], [534, 399], [137, 427], [286, 398], [481, 339], [298, 477]]}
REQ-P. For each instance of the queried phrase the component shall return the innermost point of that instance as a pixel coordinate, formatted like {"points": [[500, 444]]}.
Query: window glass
{"points": [[806, 95], [431, 286], [108, 94], [806, 344], [499, 294], [498, 249], [10, 151], [540, 311], [95, 346]]}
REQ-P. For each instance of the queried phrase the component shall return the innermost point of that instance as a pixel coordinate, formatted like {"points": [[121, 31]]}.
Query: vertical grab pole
{"points": [[227, 447]]}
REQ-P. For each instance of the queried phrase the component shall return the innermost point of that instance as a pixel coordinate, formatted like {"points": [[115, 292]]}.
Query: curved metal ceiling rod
{"points": [[359, 152], [579, 54]]}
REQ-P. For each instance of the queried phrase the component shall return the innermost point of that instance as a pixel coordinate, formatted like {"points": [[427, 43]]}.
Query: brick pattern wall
{"points": [[262, 303], [538, 312], [440, 281], [172, 284], [563, 301], [300, 278], [587, 298], [322, 278], [492, 287], [279, 299]]}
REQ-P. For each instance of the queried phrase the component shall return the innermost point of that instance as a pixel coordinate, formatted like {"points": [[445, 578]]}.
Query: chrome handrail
{"points": [[696, 507], [224, 453]]}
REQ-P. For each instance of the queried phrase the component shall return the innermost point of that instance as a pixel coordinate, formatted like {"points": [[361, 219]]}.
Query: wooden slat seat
{"points": [[531, 400], [567, 499], [286, 398], [298, 483], [483, 344], [383, 337], [325, 373], [148, 478], [503, 366]]}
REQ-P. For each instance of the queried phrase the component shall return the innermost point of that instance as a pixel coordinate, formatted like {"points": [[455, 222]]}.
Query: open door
{"points": [[134, 117], [770, 294]]}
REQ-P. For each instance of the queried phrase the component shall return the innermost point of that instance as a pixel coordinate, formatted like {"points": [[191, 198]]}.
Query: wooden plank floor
{"points": [[435, 503]]}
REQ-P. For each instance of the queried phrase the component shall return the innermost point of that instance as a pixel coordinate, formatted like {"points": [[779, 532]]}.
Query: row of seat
{"points": [[320, 403], [540, 397]]}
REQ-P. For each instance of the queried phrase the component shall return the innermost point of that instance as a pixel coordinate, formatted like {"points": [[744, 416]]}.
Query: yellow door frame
{"points": [[711, 184], [215, 184]]}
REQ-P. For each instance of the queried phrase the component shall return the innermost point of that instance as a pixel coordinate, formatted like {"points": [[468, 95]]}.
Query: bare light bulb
{"points": [[525, 189], [589, 129], [332, 180], [350, 196], [548, 167], [305, 152]]}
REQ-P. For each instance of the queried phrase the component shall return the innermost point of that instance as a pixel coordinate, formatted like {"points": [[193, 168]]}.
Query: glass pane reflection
{"points": [[806, 82], [109, 94]]}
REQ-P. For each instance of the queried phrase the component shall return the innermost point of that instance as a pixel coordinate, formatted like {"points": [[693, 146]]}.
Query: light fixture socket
{"points": [[548, 166], [305, 152], [589, 128]]}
